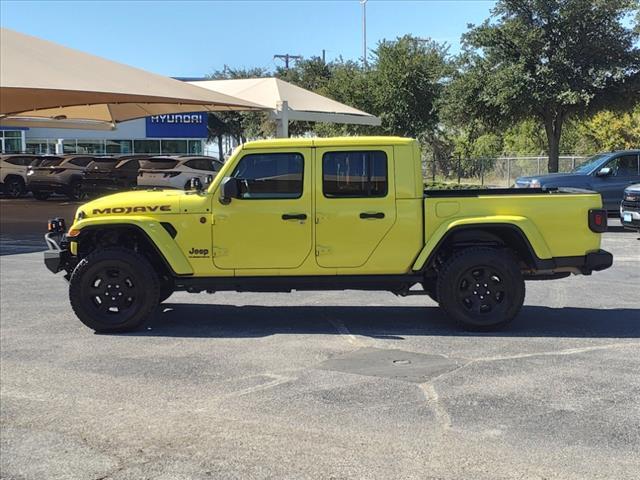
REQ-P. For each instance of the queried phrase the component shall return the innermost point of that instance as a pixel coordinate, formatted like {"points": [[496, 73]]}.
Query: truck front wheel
{"points": [[481, 288], [114, 290]]}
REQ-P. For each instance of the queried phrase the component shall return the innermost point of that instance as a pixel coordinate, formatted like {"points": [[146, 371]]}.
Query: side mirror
{"points": [[195, 184], [229, 188], [604, 172]]}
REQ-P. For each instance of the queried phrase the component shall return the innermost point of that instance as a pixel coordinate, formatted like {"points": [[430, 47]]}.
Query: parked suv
{"points": [[606, 173], [59, 175], [111, 174], [13, 172], [177, 171], [630, 207]]}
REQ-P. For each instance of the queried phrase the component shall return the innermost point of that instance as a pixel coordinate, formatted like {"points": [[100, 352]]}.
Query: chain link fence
{"points": [[494, 172]]}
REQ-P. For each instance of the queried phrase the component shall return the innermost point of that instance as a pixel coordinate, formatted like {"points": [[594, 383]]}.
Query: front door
{"points": [[270, 226], [355, 204], [624, 172]]}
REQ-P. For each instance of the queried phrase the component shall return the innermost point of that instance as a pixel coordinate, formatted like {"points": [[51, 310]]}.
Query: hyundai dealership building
{"points": [[169, 134]]}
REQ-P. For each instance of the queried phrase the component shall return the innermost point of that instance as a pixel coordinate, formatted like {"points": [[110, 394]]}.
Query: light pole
{"points": [[364, 31]]}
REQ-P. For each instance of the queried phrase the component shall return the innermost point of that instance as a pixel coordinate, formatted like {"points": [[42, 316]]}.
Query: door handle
{"points": [[294, 216], [377, 215]]}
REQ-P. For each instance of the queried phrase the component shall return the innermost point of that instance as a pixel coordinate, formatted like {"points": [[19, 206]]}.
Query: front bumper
{"points": [[57, 258], [634, 223]]}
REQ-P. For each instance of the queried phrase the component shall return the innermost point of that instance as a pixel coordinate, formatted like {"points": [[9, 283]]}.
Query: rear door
{"points": [[270, 226], [355, 204]]}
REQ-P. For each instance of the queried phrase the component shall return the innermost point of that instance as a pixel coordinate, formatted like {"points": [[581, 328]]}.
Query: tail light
{"points": [[598, 220]]}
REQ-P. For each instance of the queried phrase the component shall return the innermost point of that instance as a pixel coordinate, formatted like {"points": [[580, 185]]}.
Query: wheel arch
{"points": [[502, 234], [156, 241]]}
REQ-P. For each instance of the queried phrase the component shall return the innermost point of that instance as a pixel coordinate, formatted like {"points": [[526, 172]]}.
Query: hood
{"points": [[547, 178], [633, 188], [154, 202]]}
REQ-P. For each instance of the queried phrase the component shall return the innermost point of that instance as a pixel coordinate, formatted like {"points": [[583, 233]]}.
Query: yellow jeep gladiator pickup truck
{"points": [[324, 214]]}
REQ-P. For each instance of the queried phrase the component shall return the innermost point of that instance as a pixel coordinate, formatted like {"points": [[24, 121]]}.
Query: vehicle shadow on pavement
{"points": [[381, 322]]}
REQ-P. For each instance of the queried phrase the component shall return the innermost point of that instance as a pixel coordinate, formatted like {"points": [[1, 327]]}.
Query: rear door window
{"points": [[354, 174]]}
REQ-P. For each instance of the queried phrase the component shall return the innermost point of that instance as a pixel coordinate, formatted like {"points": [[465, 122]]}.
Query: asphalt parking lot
{"points": [[321, 385]]}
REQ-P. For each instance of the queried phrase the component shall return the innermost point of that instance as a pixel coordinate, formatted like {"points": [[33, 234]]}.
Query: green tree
{"points": [[608, 130], [406, 81], [551, 60]]}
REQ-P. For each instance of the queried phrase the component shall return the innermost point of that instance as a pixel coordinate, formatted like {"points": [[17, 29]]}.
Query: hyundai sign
{"points": [[177, 125]]}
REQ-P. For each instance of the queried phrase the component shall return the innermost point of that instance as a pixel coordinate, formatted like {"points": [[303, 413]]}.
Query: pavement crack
{"points": [[567, 351], [433, 400]]}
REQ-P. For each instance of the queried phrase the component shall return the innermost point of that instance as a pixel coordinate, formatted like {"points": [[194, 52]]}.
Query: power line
{"points": [[286, 57]]}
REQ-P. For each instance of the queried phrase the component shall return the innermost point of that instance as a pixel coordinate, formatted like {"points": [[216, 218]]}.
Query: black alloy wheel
{"points": [[114, 290], [481, 288]]}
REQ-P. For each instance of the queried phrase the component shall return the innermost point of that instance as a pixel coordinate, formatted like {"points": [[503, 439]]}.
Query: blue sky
{"points": [[193, 38]]}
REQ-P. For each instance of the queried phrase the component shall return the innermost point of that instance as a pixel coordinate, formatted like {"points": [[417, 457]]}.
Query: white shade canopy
{"points": [[289, 102], [43, 80]]}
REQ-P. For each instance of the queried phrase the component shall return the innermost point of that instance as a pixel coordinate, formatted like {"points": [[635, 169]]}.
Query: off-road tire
{"points": [[465, 280], [41, 195], [114, 290], [14, 187], [75, 191]]}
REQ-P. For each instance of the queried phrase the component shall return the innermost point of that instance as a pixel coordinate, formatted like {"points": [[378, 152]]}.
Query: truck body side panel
{"points": [[532, 214]]}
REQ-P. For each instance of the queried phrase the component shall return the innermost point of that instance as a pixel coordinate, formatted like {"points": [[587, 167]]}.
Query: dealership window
{"points": [[195, 147], [90, 146], [69, 146], [146, 146], [270, 175], [173, 146], [11, 141], [119, 146], [354, 174], [41, 146]]}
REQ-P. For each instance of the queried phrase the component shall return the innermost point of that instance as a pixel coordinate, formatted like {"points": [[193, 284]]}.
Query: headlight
{"points": [[30, 172], [535, 183]]}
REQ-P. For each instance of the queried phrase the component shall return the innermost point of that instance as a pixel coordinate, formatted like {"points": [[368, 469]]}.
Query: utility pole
{"points": [[286, 57], [364, 32]]}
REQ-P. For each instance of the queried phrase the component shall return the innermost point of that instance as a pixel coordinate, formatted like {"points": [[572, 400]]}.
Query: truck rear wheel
{"points": [[481, 288], [114, 290]]}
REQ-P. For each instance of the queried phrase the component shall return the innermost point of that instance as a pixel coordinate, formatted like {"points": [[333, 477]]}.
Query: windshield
{"points": [[590, 163]]}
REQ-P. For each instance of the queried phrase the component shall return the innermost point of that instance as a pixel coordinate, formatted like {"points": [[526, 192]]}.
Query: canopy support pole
{"points": [[282, 119]]}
